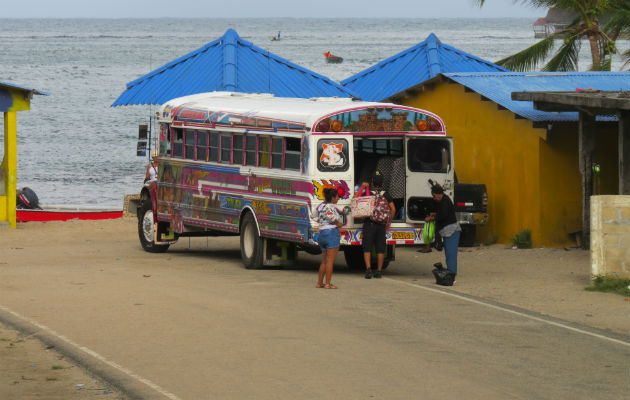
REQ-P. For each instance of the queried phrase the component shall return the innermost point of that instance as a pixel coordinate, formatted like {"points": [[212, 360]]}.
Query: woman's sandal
{"points": [[330, 286], [319, 285]]}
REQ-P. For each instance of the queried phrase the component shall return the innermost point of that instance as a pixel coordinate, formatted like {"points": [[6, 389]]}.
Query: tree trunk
{"points": [[597, 50]]}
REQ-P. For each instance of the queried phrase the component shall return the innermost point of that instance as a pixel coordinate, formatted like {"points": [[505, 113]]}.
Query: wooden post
{"points": [[624, 151], [586, 139], [10, 157]]}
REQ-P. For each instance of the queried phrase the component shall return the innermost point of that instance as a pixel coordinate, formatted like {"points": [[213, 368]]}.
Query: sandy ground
{"points": [[545, 281], [31, 370]]}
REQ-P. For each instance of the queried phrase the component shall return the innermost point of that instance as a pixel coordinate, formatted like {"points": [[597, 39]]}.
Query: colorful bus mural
{"points": [[256, 165]]}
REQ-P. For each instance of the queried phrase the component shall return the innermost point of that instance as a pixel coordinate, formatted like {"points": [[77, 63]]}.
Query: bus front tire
{"points": [[251, 243], [146, 229]]}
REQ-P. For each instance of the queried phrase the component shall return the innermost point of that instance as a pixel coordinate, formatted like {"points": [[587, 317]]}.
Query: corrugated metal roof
{"points": [[229, 64], [413, 66], [498, 87], [23, 88]]}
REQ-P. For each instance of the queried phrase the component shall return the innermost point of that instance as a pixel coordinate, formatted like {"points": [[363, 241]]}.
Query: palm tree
{"points": [[585, 26], [619, 25]]}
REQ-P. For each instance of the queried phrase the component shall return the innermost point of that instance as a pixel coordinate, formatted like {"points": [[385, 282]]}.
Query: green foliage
{"points": [[526, 60], [523, 239], [584, 26], [610, 285]]}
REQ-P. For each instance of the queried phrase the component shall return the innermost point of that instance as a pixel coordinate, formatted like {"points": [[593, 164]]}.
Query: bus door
{"points": [[427, 158]]}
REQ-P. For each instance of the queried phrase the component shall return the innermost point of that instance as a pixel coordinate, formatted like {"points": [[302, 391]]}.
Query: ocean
{"points": [[75, 149]]}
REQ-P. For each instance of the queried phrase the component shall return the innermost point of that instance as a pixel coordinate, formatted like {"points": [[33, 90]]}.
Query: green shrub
{"points": [[523, 239], [611, 285]]}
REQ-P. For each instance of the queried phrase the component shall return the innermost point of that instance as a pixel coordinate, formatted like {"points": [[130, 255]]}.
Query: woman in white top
{"points": [[329, 223], [152, 170]]}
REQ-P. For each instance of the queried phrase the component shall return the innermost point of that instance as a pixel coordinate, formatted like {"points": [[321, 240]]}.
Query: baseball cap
{"points": [[377, 178]]}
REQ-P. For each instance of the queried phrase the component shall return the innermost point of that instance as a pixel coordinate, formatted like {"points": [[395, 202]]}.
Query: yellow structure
{"points": [[531, 171], [12, 99]]}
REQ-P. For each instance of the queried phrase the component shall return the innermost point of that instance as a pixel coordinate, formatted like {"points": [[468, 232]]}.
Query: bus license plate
{"points": [[403, 235]]}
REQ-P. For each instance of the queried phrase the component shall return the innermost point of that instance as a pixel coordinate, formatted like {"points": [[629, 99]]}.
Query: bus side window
{"points": [[226, 148], [237, 150], [263, 151], [178, 143], [202, 145], [189, 148], [214, 147], [250, 153], [277, 150], [292, 154]]}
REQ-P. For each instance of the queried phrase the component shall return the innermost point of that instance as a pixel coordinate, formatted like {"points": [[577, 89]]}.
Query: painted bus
{"points": [[256, 166]]}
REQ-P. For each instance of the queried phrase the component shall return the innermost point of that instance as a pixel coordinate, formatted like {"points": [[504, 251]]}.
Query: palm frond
{"points": [[566, 59], [619, 19], [604, 65], [528, 59]]}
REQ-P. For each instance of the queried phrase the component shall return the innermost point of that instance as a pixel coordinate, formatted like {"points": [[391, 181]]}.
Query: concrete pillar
{"points": [[586, 139], [624, 151]]}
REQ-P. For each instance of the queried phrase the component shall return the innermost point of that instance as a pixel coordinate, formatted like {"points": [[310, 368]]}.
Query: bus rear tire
{"points": [[146, 229], [251, 243]]}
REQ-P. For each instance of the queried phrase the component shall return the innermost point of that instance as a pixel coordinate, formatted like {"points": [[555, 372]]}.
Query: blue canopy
{"points": [[410, 67], [229, 64]]}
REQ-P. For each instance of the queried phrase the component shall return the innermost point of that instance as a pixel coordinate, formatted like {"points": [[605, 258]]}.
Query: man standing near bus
{"points": [[376, 226]]}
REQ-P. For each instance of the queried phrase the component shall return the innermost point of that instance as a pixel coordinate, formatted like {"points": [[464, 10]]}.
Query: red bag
{"points": [[381, 210]]}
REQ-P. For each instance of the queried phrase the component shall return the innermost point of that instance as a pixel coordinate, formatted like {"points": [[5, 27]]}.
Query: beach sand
{"points": [[548, 281]]}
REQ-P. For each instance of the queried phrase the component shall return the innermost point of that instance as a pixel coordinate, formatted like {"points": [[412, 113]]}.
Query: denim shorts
{"points": [[328, 239]]}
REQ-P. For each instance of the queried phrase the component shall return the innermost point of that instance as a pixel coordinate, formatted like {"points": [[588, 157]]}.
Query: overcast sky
{"points": [[265, 8]]}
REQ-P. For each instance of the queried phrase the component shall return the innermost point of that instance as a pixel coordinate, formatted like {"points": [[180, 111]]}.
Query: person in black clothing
{"points": [[446, 225], [374, 232]]}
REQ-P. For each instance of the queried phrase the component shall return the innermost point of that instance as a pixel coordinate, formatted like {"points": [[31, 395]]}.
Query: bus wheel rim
{"points": [[147, 226]]}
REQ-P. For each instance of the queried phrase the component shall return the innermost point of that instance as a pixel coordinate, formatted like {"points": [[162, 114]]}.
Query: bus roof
{"points": [[295, 112]]}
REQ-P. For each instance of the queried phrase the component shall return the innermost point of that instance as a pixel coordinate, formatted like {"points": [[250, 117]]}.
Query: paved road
{"points": [[194, 324]]}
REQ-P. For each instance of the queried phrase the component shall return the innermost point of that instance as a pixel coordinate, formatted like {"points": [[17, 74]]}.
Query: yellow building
{"points": [[13, 98], [528, 159]]}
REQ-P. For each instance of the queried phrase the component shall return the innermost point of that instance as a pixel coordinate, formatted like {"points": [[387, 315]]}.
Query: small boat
{"points": [[64, 213], [331, 59]]}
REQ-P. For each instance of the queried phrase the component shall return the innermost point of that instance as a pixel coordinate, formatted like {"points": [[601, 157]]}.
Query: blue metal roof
{"points": [[413, 66], [498, 87], [229, 64], [23, 88]]}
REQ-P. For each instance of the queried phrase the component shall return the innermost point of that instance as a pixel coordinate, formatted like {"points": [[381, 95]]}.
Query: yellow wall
{"points": [[533, 179], [561, 185]]}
